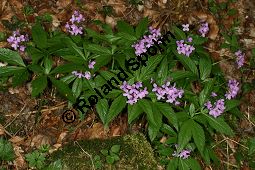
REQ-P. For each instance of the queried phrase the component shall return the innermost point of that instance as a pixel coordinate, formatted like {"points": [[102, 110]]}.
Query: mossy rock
{"points": [[135, 154]]}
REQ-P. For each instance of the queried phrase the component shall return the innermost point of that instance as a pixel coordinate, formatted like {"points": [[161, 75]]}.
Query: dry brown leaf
{"points": [[63, 3], [1, 130], [39, 140], [17, 4], [61, 137], [163, 139], [19, 162], [111, 21], [16, 140], [55, 147]]}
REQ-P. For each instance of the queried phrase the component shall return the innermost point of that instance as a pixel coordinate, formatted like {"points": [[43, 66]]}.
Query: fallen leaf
{"points": [[19, 162], [16, 140], [1, 130], [40, 140]]}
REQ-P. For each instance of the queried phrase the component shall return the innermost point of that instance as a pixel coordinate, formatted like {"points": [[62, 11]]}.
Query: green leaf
{"points": [[219, 125], [104, 152], [185, 134], [11, 57], [179, 33], [177, 75], [162, 71], [251, 145], [206, 92], [72, 46], [183, 164], [39, 36], [193, 164], [35, 54], [56, 165], [168, 112], [117, 106], [187, 63], [10, 70], [198, 136], [134, 111], [125, 27], [102, 108], [146, 105], [39, 84], [153, 131], [151, 65], [205, 67], [20, 77], [35, 159], [67, 68], [63, 89], [36, 68], [141, 27], [172, 164], [115, 148], [48, 64], [230, 104], [77, 87], [109, 159], [6, 150], [97, 49]]}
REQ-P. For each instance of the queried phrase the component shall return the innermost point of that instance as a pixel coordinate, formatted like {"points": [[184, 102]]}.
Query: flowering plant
{"points": [[179, 89]]}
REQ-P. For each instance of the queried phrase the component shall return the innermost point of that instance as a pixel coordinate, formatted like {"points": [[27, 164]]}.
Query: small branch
{"points": [[93, 166]]}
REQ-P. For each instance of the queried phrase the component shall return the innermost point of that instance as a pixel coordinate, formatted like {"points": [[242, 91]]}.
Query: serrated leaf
{"points": [[230, 104], [185, 134], [151, 65], [11, 57], [117, 106], [72, 46], [97, 49], [6, 150], [39, 36], [177, 75], [39, 84], [147, 108], [141, 27], [10, 70], [179, 33], [168, 112], [205, 67], [193, 164], [122, 26], [219, 125], [162, 71], [63, 89], [67, 68], [134, 111], [206, 92], [198, 136], [20, 77], [102, 108], [77, 87]]}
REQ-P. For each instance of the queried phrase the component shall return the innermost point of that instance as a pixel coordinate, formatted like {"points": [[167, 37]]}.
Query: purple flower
{"points": [[17, 41], [74, 27], [204, 29], [86, 75], [239, 58], [133, 92], [168, 92], [233, 88], [184, 49], [185, 27], [91, 64], [217, 109], [184, 154], [142, 45], [213, 94]]}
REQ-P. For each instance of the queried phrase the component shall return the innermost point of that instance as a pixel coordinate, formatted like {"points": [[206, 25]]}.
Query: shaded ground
{"points": [[32, 122]]}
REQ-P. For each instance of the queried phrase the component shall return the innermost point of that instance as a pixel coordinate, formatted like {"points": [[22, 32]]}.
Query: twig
{"points": [[93, 166]]}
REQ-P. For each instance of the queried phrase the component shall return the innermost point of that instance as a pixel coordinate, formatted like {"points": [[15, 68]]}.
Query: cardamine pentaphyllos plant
{"points": [[173, 108]]}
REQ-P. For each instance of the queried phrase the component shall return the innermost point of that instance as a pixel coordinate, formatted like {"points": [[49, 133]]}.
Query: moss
{"points": [[135, 154]]}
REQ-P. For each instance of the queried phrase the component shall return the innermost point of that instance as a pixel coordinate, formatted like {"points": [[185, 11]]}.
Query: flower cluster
{"points": [[204, 29], [74, 27], [185, 27], [233, 88], [147, 41], [17, 40], [183, 48], [168, 92], [133, 92], [239, 58], [184, 154], [87, 74], [217, 109]]}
